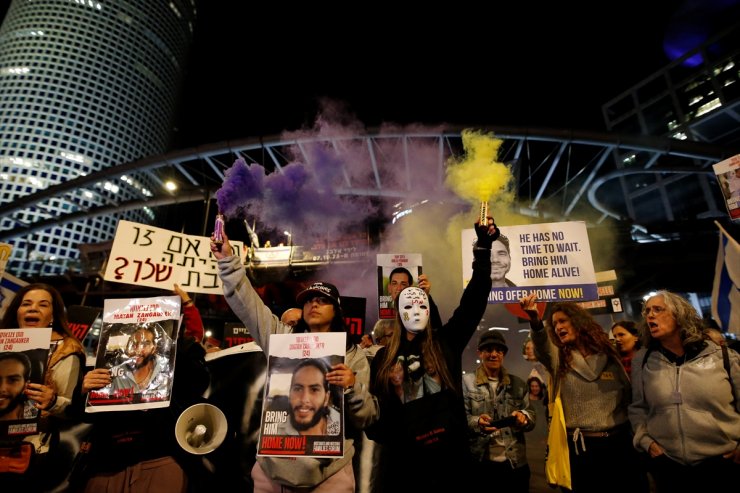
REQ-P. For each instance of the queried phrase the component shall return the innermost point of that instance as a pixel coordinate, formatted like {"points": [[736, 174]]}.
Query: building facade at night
{"points": [[84, 86]]}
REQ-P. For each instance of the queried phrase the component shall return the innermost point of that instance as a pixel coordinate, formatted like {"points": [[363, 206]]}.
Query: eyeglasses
{"points": [[657, 310], [319, 300]]}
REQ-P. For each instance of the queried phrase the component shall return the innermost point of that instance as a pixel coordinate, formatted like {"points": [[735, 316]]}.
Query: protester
{"points": [[321, 313], [423, 427], [136, 451], [291, 316], [492, 394], [538, 369], [595, 392], [192, 320], [685, 411], [627, 340], [37, 306]]}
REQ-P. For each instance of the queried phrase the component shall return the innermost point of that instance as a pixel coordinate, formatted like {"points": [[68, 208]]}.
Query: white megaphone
{"points": [[201, 428]]}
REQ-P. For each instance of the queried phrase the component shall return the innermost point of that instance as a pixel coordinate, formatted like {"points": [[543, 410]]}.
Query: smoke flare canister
{"points": [[218, 229], [483, 216]]}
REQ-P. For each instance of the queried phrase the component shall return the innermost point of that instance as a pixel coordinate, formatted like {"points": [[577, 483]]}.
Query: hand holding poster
{"points": [[552, 260], [396, 271], [23, 356], [138, 345], [302, 414], [158, 258]]}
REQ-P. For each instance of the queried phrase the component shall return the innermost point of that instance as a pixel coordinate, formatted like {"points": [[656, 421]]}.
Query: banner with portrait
{"points": [[394, 270], [23, 357], [728, 177], [302, 414], [552, 260], [138, 343]]}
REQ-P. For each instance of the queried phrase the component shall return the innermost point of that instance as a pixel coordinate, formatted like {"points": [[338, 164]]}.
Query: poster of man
{"points": [[302, 413], [137, 345], [23, 355], [728, 176], [552, 260], [396, 271]]}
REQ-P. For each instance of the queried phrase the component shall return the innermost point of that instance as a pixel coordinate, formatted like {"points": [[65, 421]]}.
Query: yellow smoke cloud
{"points": [[478, 176]]}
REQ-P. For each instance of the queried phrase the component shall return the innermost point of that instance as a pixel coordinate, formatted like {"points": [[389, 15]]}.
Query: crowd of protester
{"points": [[653, 408]]}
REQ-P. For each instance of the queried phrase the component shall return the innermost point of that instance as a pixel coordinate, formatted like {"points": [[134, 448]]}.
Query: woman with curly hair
{"points": [[685, 412], [39, 306], [595, 392]]}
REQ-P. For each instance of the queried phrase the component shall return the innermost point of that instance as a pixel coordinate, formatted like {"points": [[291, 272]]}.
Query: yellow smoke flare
{"points": [[477, 176]]}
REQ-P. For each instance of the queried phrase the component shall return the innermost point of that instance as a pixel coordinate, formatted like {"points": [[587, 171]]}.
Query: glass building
{"points": [[84, 85]]}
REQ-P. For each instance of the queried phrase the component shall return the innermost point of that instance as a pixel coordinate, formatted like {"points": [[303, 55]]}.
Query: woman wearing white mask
{"points": [[423, 424]]}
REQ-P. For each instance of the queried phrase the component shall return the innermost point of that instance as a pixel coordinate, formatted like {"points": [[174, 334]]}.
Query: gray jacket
{"points": [[360, 406], [509, 397], [686, 408]]}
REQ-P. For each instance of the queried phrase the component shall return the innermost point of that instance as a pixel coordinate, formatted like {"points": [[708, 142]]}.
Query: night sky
{"points": [[256, 73]]}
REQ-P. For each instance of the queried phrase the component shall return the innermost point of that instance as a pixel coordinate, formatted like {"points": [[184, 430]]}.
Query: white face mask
{"points": [[413, 306]]}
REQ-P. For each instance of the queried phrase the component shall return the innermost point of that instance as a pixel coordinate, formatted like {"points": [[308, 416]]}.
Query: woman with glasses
{"points": [[595, 392], [685, 411]]}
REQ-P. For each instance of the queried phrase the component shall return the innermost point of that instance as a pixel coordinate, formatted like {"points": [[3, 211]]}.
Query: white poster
{"points": [[138, 344], [159, 258], [302, 413], [728, 176], [552, 260], [401, 265]]}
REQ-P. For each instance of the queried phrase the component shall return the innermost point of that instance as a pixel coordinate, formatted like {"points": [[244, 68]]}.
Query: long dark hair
{"points": [[589, 335], [59, 323], [431, 354]]}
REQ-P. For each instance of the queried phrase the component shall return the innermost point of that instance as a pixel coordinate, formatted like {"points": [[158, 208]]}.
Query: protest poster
{"points": [[353, 310], [147, 256], [81, 319], [302, 414], [138, 342], [552, 260], [23, 357], [728, 176], [400, 265], [235, 334], [609, 301]]}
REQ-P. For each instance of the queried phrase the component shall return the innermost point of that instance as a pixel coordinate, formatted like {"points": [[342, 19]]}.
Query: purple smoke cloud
{"points": [[242, 189]]}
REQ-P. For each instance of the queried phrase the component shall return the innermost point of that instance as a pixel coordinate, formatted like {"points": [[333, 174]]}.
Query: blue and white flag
{"points": [[9, 285], [725, 292]]}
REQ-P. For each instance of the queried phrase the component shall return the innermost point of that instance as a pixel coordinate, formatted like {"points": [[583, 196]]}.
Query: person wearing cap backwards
{"points": [[491, 394], [417, 379], [321, 313]]}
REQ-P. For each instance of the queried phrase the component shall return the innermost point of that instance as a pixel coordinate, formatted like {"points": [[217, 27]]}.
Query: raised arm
{"points": [[474, 300], [545, 350], [242, 298]]}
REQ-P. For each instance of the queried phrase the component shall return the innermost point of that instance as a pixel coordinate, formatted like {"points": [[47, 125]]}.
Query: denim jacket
{"points": [[509, 397]]}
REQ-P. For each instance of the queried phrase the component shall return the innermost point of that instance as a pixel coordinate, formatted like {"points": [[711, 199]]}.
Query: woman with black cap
{"points": [[322, 312]]}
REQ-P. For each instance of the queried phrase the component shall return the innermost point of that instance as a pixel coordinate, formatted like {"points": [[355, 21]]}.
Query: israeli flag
{"points": [[725, 292]]}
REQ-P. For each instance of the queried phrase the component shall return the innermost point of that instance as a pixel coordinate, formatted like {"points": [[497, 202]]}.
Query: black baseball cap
{"points": [[319, 289]]}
